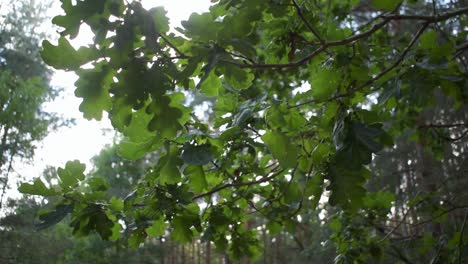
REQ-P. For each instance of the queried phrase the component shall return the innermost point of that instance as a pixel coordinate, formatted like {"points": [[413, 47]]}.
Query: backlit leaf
{"points": [[64, 56], [281, 148]]}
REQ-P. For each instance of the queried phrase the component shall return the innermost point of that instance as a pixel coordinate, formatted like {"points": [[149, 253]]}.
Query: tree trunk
{"points": [[208, 253]]}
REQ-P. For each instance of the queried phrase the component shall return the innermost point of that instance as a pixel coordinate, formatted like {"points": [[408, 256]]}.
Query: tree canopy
{"points": [[24, 87], [306, 99]]}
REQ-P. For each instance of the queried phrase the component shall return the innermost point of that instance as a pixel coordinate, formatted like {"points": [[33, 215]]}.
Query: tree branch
{"points": [[239, 184], [306, 23], [378, 76], [460, 242], [181, 54], [440, 214], [429, 19], [400, 223], [326, 44], [5, 183], [443, 125]]}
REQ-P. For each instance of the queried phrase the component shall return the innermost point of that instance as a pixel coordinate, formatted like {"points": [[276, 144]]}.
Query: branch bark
{"points": [[239, 184], [327, 44]]}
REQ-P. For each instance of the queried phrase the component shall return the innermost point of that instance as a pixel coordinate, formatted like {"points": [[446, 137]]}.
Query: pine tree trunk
{"points": [[208, 253]]}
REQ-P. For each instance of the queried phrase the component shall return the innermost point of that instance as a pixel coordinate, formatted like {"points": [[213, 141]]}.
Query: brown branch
{"points": [[181, 54], [443, 125], [5, 183], [398, 61], [440, 214], [450, 138], [278, 65], [306, 23], [396, 227], [402, 219], [378, 76], [455, 125], [326, 44], [316, 52], [239, 184], [429, 19]]}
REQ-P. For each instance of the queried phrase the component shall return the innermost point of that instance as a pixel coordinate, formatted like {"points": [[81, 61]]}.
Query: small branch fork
{"points": [[306, 23], [378, 76], [327, 44], [435, 127], [239, 184], [324, 45]]}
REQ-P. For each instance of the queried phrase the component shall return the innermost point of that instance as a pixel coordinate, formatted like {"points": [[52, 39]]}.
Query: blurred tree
{"points": [[24, 85]]}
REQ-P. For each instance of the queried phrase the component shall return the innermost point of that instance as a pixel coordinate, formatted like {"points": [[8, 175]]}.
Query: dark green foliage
{"points": [[273, 146]]}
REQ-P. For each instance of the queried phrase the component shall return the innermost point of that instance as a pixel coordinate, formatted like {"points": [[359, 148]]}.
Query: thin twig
{"points": [[239, 184], [443, 125], [378, 76], [429, 19], [396, 227], [402, 220], [306, 23], [181, 54], [327, 44], [450, 138], [440, 214]]}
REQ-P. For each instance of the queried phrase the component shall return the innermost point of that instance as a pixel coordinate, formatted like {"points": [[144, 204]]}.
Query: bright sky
{"points": [[87, 138]]}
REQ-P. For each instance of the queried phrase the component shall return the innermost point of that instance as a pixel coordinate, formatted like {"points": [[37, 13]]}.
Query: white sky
{"points": [[87, 138]]}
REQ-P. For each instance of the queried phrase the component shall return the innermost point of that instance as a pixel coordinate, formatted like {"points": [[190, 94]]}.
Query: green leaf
{"points": [[279, 116], [181, 229], [281, 148], [161, 22], [335, 224], [53, 217], [167, 118], [97, 184], [116, 204], [37, 188], [93, 218], [116, 232], [137, 129], [320, 153], [170, 173], [379, 200], [324, 82], [93, 86], [197, 155], [292, 194], [238, 78], [201, 27], [428, 40], [210, 85], [436, 51], [347, 186], [274, 227], [367, 135], [315, 188], [76, 14], [137, 150], [157, 229], [197, 178], [137, 237], [64, 56], [71, 174], [387, 5]]}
